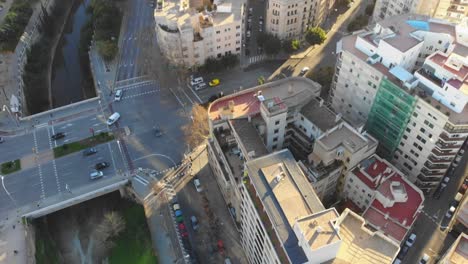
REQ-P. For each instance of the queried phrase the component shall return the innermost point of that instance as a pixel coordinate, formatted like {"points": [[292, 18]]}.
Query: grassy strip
{"points": [[133, 245], [66, 149], [10, 167], [14, 23]]}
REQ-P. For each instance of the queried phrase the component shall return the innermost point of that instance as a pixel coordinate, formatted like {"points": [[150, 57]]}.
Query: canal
{"points": [[70, 81]]}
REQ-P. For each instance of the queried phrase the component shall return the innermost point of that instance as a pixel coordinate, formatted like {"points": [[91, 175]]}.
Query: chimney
{"points": [[321, 102], [337, 118]]}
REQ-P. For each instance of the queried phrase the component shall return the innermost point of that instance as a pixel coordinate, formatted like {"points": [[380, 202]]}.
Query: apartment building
{"points": [[458, 251], [391, 203], [336, 152], [188, 36], [409, 80], [451, 10], [289, 19]]}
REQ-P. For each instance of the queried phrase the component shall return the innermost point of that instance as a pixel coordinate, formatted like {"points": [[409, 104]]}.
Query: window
{"points": [[274, 147], [276, 131], [275, 139], [217, 32], [277, 122], [351, 180]]}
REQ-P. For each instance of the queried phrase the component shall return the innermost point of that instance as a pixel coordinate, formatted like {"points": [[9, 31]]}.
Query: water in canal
{"points": [[69, 79]]}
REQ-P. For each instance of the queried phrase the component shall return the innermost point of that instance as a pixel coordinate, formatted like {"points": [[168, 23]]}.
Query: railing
{"points": [[438, 152], [435, 159], [431, 173], [444, 136], [435, 166], [444, 145], [427, 180]]}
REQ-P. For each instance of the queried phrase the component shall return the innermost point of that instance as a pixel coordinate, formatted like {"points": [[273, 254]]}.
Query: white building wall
{"points": [[357, 191]]}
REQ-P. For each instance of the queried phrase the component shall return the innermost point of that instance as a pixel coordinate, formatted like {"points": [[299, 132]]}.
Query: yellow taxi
{"points": [[214, 82]]}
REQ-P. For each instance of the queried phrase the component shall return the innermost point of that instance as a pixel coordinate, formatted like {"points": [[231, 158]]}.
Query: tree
{"points": [[111, 226], [358, 23], [261, 80], [108, 49], [290, 46], [315, 35], [273, 45], [198, 130]]}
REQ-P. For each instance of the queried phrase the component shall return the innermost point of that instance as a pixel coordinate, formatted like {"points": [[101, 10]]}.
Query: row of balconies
{"points": [[435, 166]]}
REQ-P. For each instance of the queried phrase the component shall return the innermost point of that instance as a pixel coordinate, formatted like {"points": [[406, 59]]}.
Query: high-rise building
{"points": [[289, 19], [406, 79], [450, 10], [188, 34]]}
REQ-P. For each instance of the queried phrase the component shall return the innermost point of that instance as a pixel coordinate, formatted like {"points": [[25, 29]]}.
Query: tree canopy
{"points": [[315, 35]]}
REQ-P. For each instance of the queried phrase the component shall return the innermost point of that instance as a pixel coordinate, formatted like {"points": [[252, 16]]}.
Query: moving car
{"points": [[118, 95], [89, 152], [96, 174], [58, 135], [411, 239], [214, 82], [1, 140], [197, 184], [194, 222], [101, 165], [304, 70], [113, 118], [425, 259]]}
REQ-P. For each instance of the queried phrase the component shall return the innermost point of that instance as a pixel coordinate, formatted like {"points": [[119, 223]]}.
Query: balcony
{"points": [[435, 166], [300, 134], [439, 153], [429, 180], [445, 137], [425, 75], [435, 159], [427, 172], [442, 145]]}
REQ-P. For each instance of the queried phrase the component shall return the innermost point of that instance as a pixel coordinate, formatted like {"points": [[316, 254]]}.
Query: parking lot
{"points": [[233, 80], [214, 220]]}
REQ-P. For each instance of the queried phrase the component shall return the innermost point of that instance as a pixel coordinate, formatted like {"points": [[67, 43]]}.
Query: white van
{"points": [[196, 81], [113, 118]]}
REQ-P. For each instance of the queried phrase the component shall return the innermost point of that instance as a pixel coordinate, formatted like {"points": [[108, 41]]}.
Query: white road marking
{"points": [[140, 94], [112, 156], [97, 124], [39, 167]]}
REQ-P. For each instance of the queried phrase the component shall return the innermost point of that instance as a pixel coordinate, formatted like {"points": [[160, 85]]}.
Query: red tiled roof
{"points": [[387, 226], [352, 206], [440, 60], [244, 104], [399, 212], [373, 170]]}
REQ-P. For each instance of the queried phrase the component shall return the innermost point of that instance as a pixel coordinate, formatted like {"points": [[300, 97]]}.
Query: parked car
{"points": [[227, 261], [118, 95], [176, 207], [179, 216], [214, 82], [411, 239], [96, 174], [450, 212], [1, 140], [199, 86], [197, 184], [402, 254], [89, 152], [438, 192], [113, 118], [58, 135], [445, 182], [101, 165], [425, 259], [158, 131], [464, 186], [195, 80], [194, 222]]}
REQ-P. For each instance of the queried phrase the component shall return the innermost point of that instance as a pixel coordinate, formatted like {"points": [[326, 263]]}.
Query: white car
{"points": [[444, 182], [411, 239], [305, 70], [425, 259], [199, 86], [113, 118], [194, 81], [96, 174], [197, 184], [450, 212], [118, 95]]}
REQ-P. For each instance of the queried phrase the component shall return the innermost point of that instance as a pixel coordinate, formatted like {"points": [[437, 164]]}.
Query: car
{"points": [[450, 212], [113, 118], [249, 20], [96, 174], [247, 52], [158, 131], [176, 207], [227, 261], [464, 186], [179, 216], [411, 239], [197, 184], [194, 222], [438, 192], [214, 82], [260, 29], [445, 182], [397, 261], [304, 70], [461, 152], [260, 22], [89, 152], [182, 227], [425, 259], [259, 50], [402, 254], [195, 80], [58, 135], [199, 86], [118, 95], [101, 165], [1, 140], [250, 9]]}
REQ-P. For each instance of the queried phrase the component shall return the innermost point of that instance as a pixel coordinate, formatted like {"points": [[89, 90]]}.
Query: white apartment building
{"points": [[419, 66], [289, 19], [451, 10], [187, 37]]}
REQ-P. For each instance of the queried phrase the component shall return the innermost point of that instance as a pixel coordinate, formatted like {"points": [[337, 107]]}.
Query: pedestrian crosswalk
{"points": [[256, 59]]}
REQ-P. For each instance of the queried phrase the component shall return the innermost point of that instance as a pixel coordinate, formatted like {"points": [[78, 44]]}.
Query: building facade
{"points": [[289, 19], [409, 88], [187, 36]]}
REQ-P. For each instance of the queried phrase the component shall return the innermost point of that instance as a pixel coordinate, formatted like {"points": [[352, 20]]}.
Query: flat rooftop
{"points": [[286, 195], [319, 114], [459, 254], [319, 229], [291, 91], [347, 137], [360, 245], [249, 136], [370, 169]]}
